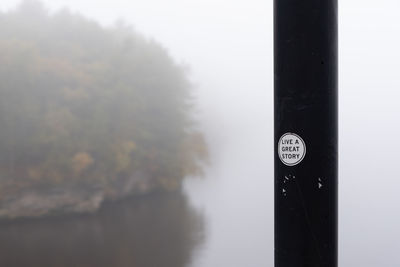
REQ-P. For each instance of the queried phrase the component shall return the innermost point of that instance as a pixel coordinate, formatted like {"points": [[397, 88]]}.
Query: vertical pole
{"points": [[306, 132]]}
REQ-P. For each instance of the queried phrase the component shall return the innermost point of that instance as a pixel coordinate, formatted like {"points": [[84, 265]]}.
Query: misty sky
{"points": [[228, 45]]}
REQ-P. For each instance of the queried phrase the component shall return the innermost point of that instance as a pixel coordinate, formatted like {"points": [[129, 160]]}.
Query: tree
{"points": [[88, 106]]}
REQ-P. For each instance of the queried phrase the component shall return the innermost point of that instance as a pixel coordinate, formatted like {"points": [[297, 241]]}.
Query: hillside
{"points": [[88, 113]]}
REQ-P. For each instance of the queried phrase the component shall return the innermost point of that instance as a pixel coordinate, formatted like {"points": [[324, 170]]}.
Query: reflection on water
{"points": [[159, 230]]}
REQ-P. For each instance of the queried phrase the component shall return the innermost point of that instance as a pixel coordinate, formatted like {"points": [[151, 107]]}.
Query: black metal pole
{"points": [[306, 133]]}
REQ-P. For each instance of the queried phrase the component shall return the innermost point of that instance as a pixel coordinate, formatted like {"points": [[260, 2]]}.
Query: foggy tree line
{"points": [[82, 104]]}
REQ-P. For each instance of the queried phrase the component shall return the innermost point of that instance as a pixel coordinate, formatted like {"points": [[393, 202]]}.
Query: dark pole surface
{"points": [[306, 133]]}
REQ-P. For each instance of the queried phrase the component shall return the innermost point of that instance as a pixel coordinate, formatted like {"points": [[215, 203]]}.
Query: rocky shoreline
{"points": [[40, 202]]}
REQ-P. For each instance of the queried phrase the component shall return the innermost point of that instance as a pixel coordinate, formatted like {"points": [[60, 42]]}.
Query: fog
{"points": [[228, 47]]}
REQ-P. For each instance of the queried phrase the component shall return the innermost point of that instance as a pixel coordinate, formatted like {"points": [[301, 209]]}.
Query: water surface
{"points": [[153, 231]]}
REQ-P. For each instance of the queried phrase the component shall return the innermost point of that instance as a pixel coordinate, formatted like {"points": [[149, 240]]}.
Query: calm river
{"points": [[221, 220]]}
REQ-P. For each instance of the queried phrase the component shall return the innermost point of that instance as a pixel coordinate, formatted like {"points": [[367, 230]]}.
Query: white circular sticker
{"points": [[291, 149]]}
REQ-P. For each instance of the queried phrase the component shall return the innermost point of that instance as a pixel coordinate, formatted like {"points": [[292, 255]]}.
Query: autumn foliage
{"points": [[89, 106]]}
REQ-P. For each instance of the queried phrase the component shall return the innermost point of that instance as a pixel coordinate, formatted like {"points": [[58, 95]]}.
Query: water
{"points": [[236, 199], [157, 230], [222, 219]]}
